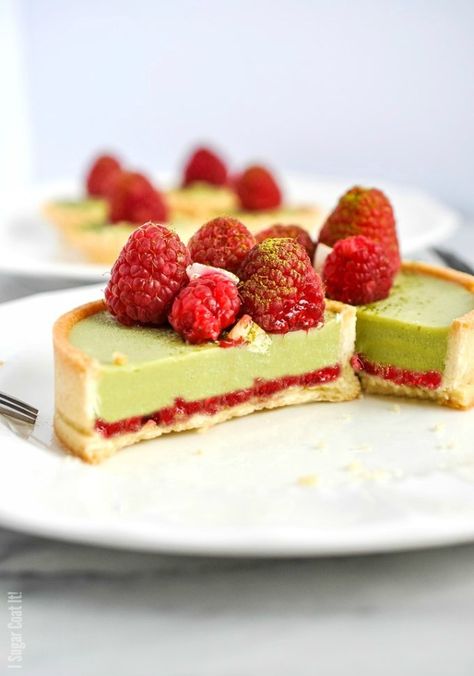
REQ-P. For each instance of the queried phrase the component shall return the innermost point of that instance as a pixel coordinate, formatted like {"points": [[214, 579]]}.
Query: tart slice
{"points": [[178, 346], [116, 385], [419, 342]]}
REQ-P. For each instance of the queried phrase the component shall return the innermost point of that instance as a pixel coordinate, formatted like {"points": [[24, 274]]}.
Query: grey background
{"points": [[370, 88]]}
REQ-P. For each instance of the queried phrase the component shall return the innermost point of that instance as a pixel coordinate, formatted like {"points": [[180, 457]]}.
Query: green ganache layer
{"points": [[161, 366], [410, 328]]}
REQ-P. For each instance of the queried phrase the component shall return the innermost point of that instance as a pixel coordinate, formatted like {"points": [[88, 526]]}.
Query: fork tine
{"points": [[24, 417], [17, 409], [7, 400]]}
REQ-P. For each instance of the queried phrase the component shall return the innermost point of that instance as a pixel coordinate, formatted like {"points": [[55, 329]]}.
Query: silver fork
{"points": [[15, 408]]}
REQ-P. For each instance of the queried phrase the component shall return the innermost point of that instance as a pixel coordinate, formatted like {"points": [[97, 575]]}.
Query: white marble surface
{"points": [[91, 611]]}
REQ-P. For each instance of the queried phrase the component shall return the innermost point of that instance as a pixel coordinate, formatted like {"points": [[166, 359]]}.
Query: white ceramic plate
{"points": [[29, 246], [372, 475]]}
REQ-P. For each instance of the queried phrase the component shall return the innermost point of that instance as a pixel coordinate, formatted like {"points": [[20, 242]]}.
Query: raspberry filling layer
{"points": [[429, 380], [181, 409]]}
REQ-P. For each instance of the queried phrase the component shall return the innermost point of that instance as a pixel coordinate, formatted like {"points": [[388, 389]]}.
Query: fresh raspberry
{"points": [[293, 231], [364, 211], [357, 271], [204, 165], [205, 307], [147, 275], [257, 189], [133, 199], [102, 175], [280, 290], [223, 243]]}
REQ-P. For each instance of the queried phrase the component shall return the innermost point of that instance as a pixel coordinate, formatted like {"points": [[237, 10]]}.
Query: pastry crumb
{"points": [[447, 446], [119, 358], [198, 452], [363, 448], [439, 427], [308, 480], [364, 473], [395, 408], [320, 445], [347, 417]]}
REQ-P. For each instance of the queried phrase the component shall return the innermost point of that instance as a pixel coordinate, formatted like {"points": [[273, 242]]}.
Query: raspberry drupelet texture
{"points": [[102, 175], [133, 199], [279, 288], [257, 189], [292, 231], [357, 271], [148, 274], [205, 307], [364, 211], [206, 167], [223, 243]]}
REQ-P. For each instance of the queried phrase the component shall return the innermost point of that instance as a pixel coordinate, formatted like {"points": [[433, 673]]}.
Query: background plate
{"points": [[29, 246], [371, 475]]}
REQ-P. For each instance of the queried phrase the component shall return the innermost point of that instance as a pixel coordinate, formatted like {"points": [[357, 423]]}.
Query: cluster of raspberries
{"points": [[130, 195], [132, 198], [158, 279], [256, 187], [225, 272]]}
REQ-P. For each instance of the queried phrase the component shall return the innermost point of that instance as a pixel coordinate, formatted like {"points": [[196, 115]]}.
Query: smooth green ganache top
{"points": [[161, 367], [410, 328]]}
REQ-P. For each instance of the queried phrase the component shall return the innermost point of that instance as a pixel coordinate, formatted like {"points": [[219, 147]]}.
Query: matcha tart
{"points": [[419, 342], [116, 385]]}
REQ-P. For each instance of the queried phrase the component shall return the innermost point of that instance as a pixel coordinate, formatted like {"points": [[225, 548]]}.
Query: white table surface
{"points": [[92, 612]]}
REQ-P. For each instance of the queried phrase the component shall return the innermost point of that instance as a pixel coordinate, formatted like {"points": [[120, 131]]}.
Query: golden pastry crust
{"points": [[103, 244], [100, 245], [200, 205], [453, 398], [67, 217], [76, 374]]}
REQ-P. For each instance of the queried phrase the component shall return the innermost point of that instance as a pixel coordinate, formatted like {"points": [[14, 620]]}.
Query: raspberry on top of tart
{"points": [[102, 175], [204, 191], [171, 349], [223, 243], [364, 211]]}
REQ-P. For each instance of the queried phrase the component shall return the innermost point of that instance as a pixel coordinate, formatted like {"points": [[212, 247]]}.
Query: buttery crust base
{"points": [[200, 205], [457, 387], [76, 373], [454, 398], [67, 218], [104, 245]]}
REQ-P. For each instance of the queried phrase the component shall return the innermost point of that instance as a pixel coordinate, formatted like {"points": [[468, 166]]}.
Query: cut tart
{"points": [[116, 385], [419, 342], [179, 345]]}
